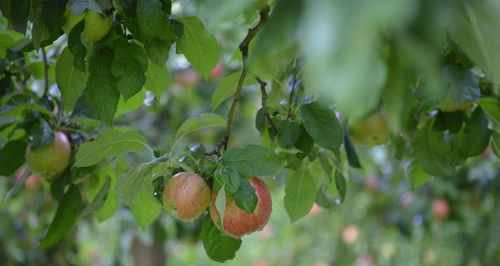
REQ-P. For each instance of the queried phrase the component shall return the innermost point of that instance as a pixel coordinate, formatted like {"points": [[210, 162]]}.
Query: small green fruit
{"points": [[52, 159], [372, 130], [449, 105], [96, 26], [71, 20]]}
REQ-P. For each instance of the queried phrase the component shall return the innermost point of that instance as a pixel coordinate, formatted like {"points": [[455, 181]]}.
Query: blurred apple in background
{"points": [[350, 234], [440, 209], [217, 72]]}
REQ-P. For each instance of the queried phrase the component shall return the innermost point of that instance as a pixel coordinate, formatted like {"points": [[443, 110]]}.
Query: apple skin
{"points": [[52, 159], [449, 105], [186, 196], [71, 20], [238, 222], [350, 234], [372, 130], [96, 26], [440, 209]]}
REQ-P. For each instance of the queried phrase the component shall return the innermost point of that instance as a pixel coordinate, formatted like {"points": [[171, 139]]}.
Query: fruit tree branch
{"points": [[294, 75], [264, 106], [264, 13]]}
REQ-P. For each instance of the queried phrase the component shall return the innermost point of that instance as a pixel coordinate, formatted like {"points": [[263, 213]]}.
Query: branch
{"points": [[264, 13], [264, 106], [219, 145], [46, 64]]}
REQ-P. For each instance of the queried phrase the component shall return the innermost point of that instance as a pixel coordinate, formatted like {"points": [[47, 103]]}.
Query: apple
{"points": [[238, 222], [31, 183], [52, 159], [217, 72], [449, 105], [440, 209], [350, 234], [315, 210], [372, 130], [71, 20], [96, 26], [186, 196]]}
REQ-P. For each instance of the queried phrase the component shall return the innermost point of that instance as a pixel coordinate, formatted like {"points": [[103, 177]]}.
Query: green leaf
{"points": [[495, 143], [245, 196], [70, 81], [11, 157], [288, 133], [194, 124], [65, 217], [252, 160], [451, 121], [153, 21], [227, 87], [260, 120], [78, 6], [219, 247], [158, 51], [432, 152], [464, 86], [18, 109], [416, 175], [132, 103], [109, 143], [41, 134], [128, 67], [100, 98], [322, 125], [231, 179], [476, 135], [350, 151], [20, 184], [99, 200], [146, 208], [111, 202], [300, 192], [199, 47], [220, 205], [157, 78], [76, 46], [341, 185], [491, 107], [472, 30], [305, 142]]}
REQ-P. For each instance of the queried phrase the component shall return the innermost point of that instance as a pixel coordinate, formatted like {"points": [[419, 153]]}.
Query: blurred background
{"points": [[384, 220]]}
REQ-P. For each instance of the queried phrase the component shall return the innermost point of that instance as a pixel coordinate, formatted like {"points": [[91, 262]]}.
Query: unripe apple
{"points": [[52, 159], [449, 105], [96, 26], [372, 130], [186, 196], [238, 222], [440, 209], [71, 20]]}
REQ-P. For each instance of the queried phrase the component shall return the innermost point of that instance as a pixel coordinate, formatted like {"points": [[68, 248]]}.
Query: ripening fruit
{"points": [[372, 130], [96, 26], [186, 196], [449, 105], [440, 209], [52, 159], [238, 222], [350, 234], [71, 20]]}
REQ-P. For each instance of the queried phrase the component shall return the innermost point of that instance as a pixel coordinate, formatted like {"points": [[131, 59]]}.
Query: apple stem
{"points": [[264, 13], [264, 106]]}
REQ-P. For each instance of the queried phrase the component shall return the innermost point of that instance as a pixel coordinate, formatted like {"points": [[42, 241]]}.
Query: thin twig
{"points": [[264, 105], [216, 151], [293, 89], [264, 13], [46, 64]]}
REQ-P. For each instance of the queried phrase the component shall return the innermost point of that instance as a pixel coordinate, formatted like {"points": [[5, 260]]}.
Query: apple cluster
{"points": [[187, 196]]}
